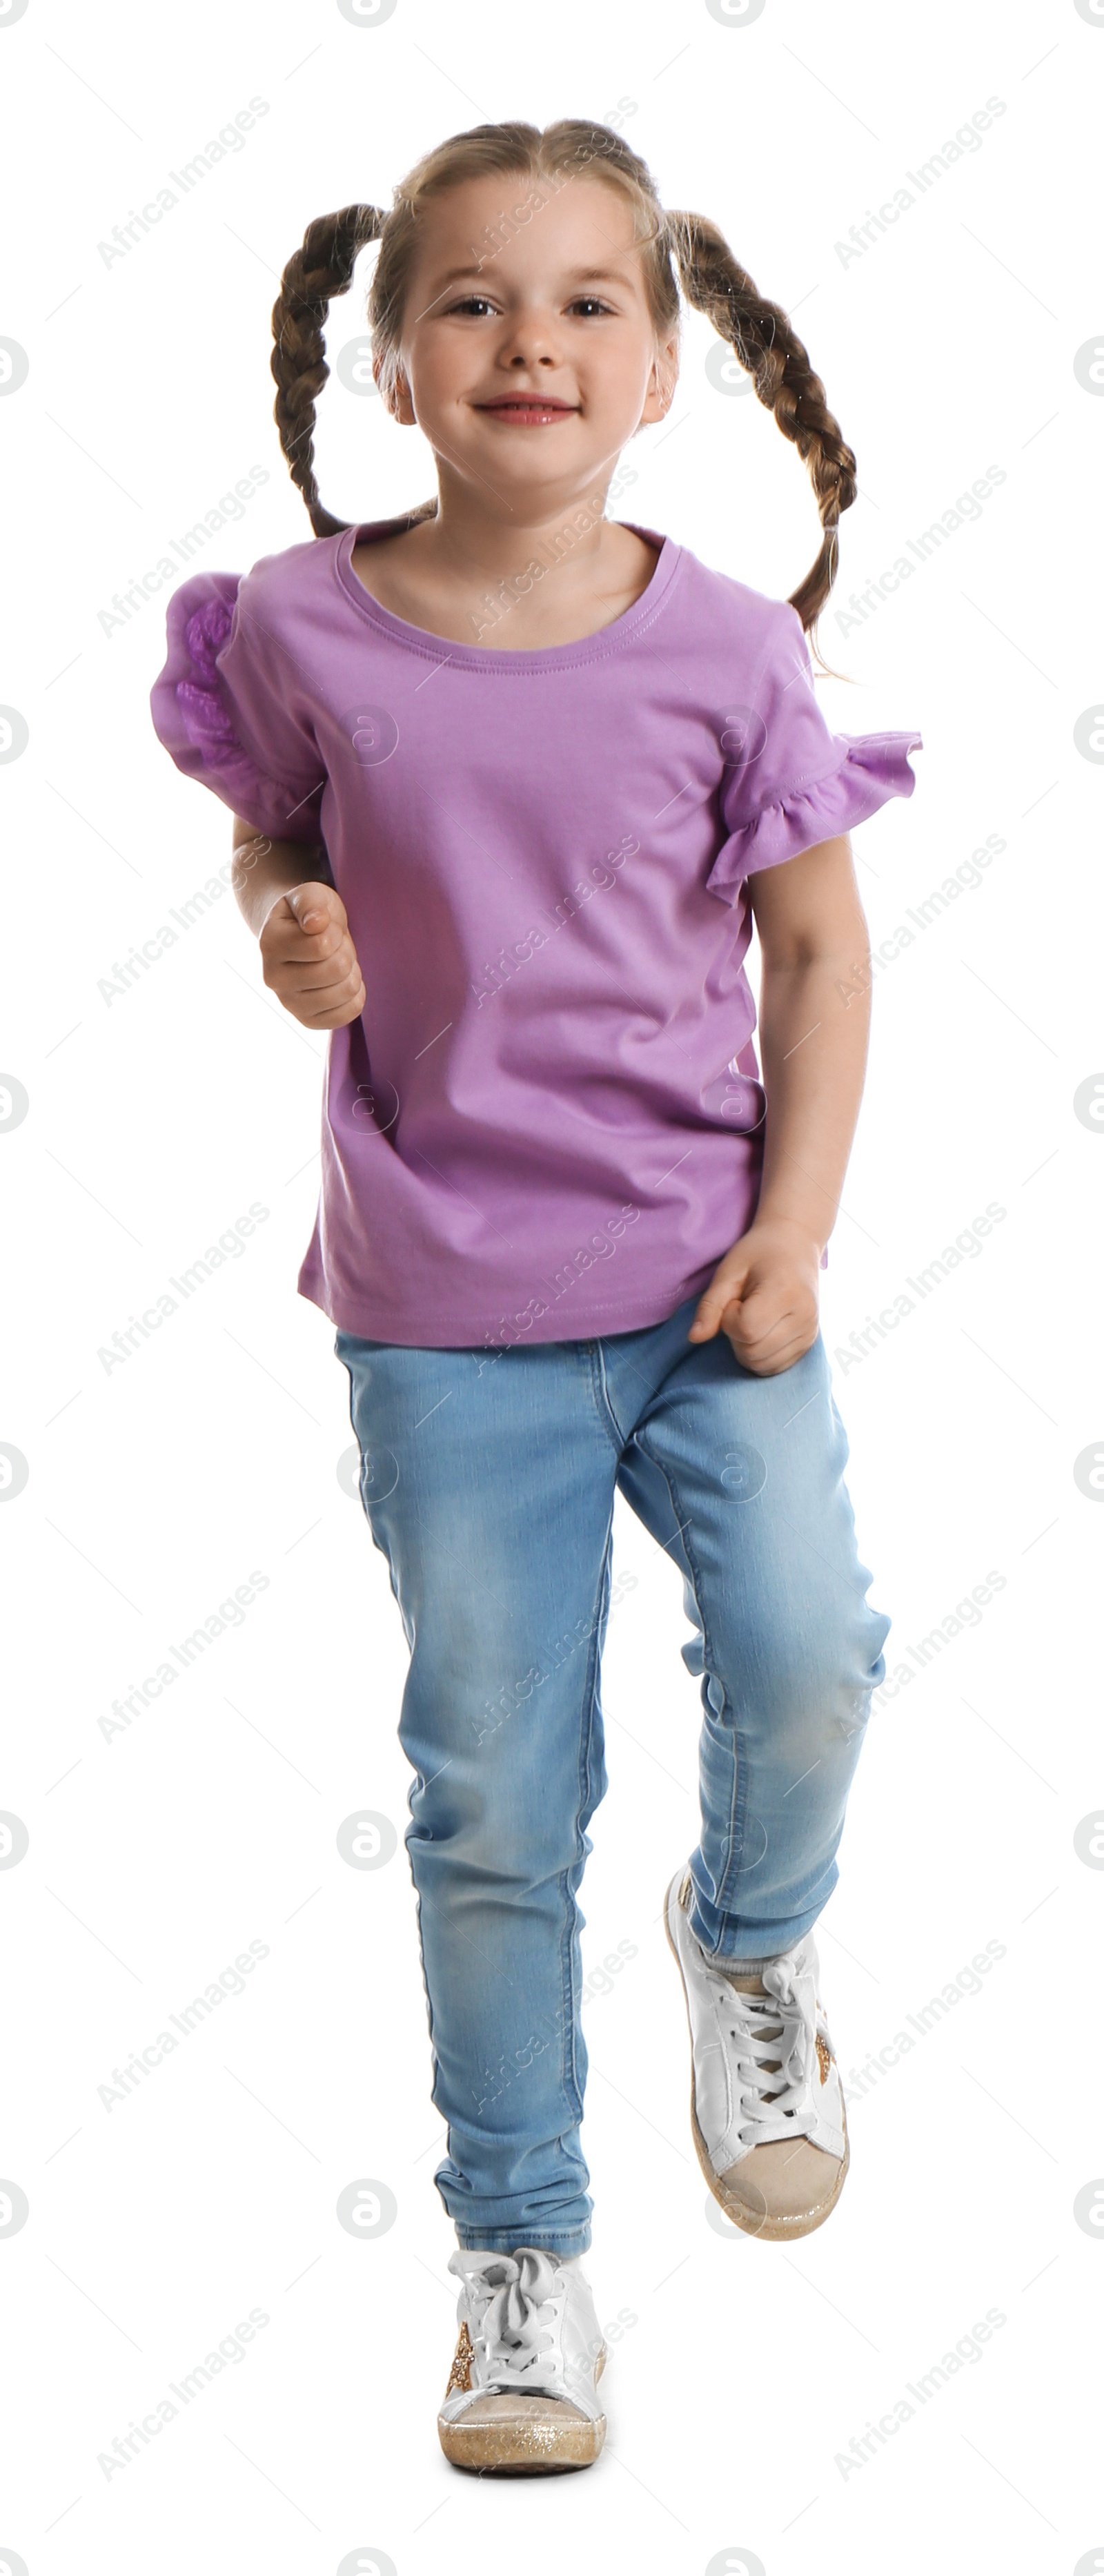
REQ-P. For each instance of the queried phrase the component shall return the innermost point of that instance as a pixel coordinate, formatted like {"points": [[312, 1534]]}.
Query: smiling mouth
{"points": [[526, 408]]}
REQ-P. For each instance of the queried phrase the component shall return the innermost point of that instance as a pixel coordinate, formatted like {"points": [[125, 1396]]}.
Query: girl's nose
{"points": [[530, 342]]}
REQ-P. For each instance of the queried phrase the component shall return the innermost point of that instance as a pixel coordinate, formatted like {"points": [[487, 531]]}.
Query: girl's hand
{"points": [[765, 1296], [310, 962]]}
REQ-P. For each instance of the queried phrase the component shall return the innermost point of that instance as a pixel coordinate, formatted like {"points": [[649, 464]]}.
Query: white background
{"points": [[155, 1488]]}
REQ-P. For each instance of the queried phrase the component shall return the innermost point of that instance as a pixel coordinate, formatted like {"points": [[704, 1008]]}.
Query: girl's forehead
{"points": [[584, 216]]}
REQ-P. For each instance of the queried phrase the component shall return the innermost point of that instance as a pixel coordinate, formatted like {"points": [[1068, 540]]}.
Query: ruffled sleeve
{"points": [[789, 782], [229, 711]]}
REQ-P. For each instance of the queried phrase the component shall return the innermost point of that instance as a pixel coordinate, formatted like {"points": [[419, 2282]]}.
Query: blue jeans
{"points": [[488, 1479]]}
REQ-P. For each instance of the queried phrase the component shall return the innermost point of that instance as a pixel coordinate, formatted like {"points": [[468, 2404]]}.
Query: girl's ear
{"points": [[661, 384], [399, 403]]}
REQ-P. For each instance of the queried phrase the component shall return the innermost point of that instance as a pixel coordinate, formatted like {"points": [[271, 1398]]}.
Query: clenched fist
{"points": [[764, 1297], [309, 959]]}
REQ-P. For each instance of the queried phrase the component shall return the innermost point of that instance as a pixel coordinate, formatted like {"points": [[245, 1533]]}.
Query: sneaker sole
{"points": [[772, 2230], [522, 2449]]}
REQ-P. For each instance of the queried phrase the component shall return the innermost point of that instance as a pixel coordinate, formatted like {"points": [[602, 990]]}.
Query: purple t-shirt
{"points": [[547, 1122]]}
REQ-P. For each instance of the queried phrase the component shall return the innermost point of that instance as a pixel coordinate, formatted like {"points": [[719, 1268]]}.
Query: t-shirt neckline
{"points": [[551, 657]]}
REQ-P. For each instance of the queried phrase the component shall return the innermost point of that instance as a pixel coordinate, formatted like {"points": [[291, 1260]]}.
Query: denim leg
{"points": [[740, 1479], [488, 1484]]}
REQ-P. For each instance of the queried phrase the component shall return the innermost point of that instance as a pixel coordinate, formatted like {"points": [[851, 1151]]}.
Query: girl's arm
{"points": [[309, 960], [814, 1022], [263, 870]]}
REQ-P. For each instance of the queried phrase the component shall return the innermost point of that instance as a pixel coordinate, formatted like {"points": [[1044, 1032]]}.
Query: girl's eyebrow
{"points": [[580, 276]]}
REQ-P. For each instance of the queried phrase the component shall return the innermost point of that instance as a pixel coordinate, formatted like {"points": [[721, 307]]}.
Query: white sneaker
{"points": [[522, 2389], [766, 2103]]}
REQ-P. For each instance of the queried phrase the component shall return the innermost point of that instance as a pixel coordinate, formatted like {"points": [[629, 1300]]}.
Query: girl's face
{"points": [[528, 356]]}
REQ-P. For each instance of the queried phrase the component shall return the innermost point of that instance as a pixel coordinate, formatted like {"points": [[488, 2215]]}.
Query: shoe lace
{"points": [[775, 2036], [510, 2298]]}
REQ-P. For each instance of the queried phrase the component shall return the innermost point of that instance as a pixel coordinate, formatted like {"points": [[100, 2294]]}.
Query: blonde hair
{"points": [[710, 276]]}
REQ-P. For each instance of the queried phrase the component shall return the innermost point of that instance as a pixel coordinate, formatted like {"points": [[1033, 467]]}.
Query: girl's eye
{"points": [[469, 303]]}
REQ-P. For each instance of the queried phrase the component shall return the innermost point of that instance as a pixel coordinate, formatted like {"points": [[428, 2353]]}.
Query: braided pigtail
{"points": [[321, 269], [778, 362]]}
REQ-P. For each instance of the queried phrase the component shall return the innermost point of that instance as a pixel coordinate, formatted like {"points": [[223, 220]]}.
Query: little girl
{"points": [[511, 780]]}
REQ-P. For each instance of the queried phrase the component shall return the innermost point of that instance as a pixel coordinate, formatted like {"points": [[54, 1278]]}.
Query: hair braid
{"points": [[319, 270], [785, 381]]}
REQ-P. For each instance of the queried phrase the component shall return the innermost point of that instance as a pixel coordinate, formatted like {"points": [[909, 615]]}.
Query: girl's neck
{"points": [[551, 578], [475, 536]]}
